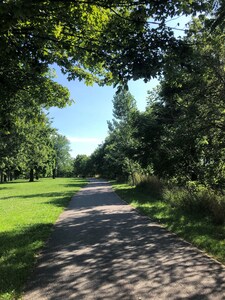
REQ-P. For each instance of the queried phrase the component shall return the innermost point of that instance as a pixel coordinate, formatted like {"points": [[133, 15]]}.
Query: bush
{"points": [[151, 184], [217, 208], [135, 179], [176, 197], [197, 199]]}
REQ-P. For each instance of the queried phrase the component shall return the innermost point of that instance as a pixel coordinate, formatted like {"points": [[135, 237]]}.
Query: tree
{"points": [[190, 110], [94, 40], [38, 148], [82, 166], [63, 163], [116, 157], [25, 128]]}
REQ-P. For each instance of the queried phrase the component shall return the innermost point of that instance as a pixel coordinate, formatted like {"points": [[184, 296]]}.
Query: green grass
{"points": [[27, 214], [195, 228]]}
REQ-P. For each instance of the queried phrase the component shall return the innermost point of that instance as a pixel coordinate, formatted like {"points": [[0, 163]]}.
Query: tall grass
{"points": [[201, 200], [193, 198], [151, 184], [28, 211]]}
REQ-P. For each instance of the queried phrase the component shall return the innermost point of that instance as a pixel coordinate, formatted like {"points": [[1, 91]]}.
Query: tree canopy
{"points": [[96, 41]]}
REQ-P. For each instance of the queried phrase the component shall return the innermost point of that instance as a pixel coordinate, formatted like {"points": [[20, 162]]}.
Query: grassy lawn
{"points": [[195, 228], [27, 213]]}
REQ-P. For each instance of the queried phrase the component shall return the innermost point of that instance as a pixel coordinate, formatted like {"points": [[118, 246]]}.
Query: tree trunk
{"points": [[11, 176], [31, 175], [53, 173]]}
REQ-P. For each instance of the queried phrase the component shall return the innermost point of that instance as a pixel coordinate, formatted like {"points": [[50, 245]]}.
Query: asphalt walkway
{"points": [[103, 249]]}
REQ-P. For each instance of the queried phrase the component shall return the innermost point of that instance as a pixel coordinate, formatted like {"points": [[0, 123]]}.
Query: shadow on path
{"points": [[102, 249]]}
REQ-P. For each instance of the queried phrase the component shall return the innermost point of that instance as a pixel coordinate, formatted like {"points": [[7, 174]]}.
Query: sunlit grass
{"points": [[193, 227], [27, 212]]}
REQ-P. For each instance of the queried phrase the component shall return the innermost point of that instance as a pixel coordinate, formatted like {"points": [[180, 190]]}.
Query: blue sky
{"points": [[84, 123]]}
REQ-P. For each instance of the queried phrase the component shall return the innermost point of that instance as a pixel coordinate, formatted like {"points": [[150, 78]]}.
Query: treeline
{"points": [[181, 133], [180, 137], [34, 149], [29, 146]]}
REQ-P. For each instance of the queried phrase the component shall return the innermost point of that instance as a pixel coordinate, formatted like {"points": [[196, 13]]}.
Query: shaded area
{"points": [[195, 227], [51, 197], [17, 255], [102, 249]]}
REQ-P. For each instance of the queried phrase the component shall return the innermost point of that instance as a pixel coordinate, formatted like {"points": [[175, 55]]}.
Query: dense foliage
{"points": [[93, 40]]}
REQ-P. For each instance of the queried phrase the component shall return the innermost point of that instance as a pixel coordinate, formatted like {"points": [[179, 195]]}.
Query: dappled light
{"points": [[17, 253], [103, 249]]}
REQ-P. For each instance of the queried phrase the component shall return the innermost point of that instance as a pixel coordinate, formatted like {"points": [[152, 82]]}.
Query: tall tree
{"points": [[62, 162], [82, 165], [120, 147], [192, 110], [23, 122]]}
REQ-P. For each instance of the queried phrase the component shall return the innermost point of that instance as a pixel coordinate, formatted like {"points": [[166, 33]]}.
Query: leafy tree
{"points": [[25, 128], [98, 164], [82, 165], [63, 163], [97, 41], [115, 158], [27, 145], [190, 110]]}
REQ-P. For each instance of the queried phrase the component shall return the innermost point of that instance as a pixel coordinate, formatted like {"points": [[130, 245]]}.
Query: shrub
{"points": [[152, 185], [217, 208], [197, 199], [175, 196], [135, 179]]}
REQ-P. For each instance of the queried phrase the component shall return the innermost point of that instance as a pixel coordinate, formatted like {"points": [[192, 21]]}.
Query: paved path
{"points": [[102, 249]]}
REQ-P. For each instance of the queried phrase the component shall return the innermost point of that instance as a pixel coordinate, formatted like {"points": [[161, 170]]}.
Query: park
{"points": [[154, 227]]}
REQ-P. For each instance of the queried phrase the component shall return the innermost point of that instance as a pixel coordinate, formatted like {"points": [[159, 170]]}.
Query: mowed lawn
{"points": [[28, 211]]}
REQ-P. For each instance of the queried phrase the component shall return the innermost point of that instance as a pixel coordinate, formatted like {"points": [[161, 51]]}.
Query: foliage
{"points": [[181, 133], [27, 145], [28, 212], [25, 136], [62, 161], [179, 138], [94, 40], [117, 154], [152, 185], [82, 166], [104, 42], [193, 93]]}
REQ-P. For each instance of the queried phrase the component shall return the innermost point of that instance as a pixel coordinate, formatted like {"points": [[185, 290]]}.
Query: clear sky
{"points": [[84, 123]]}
